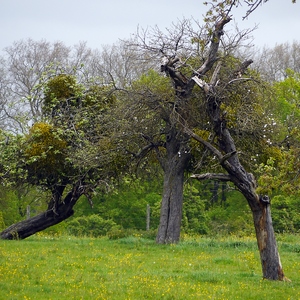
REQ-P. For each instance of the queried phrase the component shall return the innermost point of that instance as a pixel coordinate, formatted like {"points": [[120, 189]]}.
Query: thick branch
{"points": [[222, 158], [28, 227], [214, 46], [242, 68], [187, 84], [208, 145], [212, 176], [144, 151], [227, 156]]}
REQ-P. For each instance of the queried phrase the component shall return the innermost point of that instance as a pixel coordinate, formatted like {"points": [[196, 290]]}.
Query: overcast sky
{"points": [[101, 22]]}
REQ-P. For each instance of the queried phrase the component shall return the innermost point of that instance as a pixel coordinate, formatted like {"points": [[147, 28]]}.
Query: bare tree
{"points": [[272, 63], [118, 64], [27, 65]]}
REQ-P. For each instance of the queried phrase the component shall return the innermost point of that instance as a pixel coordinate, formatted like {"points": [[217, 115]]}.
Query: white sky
{"points": [[101, 22]]}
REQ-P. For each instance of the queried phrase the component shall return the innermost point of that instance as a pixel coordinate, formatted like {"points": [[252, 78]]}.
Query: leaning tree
{"points": [[68, 154]]}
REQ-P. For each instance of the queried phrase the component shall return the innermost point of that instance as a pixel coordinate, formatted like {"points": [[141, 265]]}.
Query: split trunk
{"points": [[174, 166]]}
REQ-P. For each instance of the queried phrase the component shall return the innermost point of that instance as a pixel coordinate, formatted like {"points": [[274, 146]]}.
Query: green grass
{"points": [[42, 267]]}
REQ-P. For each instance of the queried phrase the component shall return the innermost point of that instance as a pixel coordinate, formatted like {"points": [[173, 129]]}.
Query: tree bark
{"points": [[261, 212], [171, 208], [174, 166], [60, 212], [266, 241]]}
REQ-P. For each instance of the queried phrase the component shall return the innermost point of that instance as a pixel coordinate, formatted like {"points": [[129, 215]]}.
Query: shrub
{"points": [[92, 225], [2, 224], [285, 213]]}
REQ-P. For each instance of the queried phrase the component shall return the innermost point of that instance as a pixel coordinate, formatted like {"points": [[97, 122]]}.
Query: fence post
{"points": [[28, 211], [148, 218]]}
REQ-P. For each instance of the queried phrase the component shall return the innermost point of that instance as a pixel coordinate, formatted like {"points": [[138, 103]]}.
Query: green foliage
{"points": [[45, 154], [245, 110], [280, 175], [278, 171], [156, 83], [202, 213], [93, 226], [60, 92], [285, 107], [14, 201], [233, 217], [287, 93], [2, 224], [126, 204], [194, 211], [98, 97], [12, 171], [285, 213]]}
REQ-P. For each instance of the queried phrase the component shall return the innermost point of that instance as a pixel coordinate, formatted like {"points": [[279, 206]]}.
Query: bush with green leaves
{"points": [[93, 226], [194, 210], [285, 213]]}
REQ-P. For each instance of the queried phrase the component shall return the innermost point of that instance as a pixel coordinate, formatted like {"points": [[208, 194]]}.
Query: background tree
{"points": [[283, 153], [26, 67], [273, 62], [120, 65]]}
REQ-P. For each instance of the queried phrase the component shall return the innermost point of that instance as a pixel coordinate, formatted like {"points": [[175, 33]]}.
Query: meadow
{"points": [[66, 267]]}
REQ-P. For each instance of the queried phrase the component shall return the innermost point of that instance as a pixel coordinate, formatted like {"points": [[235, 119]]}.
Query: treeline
{"points": [[209, 208]]}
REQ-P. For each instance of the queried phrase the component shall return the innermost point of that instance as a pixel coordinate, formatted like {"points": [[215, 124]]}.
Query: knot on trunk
{"points": [[265, 200]]}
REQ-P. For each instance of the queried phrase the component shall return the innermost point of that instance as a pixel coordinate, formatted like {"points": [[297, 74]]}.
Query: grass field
{"points": [[43, 267]]}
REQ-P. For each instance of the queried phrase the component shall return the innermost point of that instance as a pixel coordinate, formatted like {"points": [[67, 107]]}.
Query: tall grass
{"points": [[45, 267]]}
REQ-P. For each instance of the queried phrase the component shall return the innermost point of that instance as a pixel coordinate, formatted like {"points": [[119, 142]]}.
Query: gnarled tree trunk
{"points": [[174, 166], [244, 181], [266, 241], [60, 211], [261, 212]]}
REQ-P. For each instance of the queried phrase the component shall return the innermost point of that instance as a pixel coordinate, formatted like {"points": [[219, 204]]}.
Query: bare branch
{"points": [[214, 77], [214, 46], [212, 176], [208, 145], [227, 156]]}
